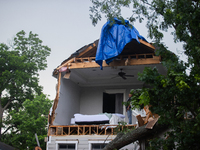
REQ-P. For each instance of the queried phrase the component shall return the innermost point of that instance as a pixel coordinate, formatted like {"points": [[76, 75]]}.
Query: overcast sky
{"points": [[62, 25]]}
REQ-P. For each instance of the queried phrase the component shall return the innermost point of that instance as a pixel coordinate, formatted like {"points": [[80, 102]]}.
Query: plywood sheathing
{"points": [[151, 123], [140, 120], [56, 99]]}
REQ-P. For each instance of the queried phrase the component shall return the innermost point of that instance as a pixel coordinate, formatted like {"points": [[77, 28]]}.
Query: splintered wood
{"points": [[85, 130], [135, 59], [150, 118]]}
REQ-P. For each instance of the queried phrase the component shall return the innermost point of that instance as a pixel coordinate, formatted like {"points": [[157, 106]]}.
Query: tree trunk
{"points": [[140, 133]]}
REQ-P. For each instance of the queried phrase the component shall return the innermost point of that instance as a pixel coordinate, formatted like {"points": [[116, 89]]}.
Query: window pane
{"points": [[71, 146], [62, 145], [98, 146], [67, 146]]}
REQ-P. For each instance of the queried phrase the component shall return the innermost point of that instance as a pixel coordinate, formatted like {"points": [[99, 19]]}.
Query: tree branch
{"points": [[7, 129], [122, 139], [145, 2], [8, 103]]}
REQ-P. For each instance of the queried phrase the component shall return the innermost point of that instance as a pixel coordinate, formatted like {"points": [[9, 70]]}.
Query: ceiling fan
{"points": [[123, 75]]}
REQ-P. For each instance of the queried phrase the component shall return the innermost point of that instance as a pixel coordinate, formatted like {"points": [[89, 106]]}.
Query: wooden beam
{"points": [[65, 64], [87, 49], [75, 64], [155, 60], [147, 44], [81, 130]]}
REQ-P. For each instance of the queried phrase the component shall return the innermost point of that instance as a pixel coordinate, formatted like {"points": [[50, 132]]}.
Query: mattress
{"points": [[91, 119]]}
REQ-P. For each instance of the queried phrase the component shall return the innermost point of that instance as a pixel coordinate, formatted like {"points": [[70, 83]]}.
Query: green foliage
{"points": [[19, 67], [176, 93], [121, 127], [173, 96], [31, 118]]}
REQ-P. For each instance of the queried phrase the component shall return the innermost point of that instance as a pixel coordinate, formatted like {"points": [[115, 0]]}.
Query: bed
{"points": [[104, 118]]}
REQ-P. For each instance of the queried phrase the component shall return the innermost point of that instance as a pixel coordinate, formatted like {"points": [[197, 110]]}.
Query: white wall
{"points": [[85, 100], [91, 99], [68, 103]]}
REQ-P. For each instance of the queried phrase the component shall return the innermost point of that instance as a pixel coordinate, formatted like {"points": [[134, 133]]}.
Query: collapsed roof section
{"points": [[115, 35], [117, 42], [132, 50]]}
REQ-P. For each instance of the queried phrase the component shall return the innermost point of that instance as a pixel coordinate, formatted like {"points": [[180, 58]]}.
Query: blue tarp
{"points": [[113, 40]]}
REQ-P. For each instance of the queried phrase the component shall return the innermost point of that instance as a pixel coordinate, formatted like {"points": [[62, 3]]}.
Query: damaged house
{"points": [[92, 85]]}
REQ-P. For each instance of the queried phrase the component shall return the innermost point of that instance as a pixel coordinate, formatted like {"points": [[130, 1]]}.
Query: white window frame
{"points": [[96, 142], [48, 142], [67, 142]]}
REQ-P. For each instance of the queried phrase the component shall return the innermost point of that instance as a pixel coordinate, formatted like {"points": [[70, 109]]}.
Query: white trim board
{"points": [[67, 142], [96, 142]]}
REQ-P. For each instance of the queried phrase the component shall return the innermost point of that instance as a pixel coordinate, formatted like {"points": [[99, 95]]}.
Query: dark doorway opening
{"points": [[112, 103], [108, 103]]}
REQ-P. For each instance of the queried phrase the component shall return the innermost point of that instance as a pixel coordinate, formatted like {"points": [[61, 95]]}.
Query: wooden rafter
{"points": [[125, 60], [90, 47], [87, 50], [147, 44]]}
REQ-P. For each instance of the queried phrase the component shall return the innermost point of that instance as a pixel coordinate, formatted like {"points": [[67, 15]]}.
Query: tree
{"points": [[176, 94], [19, 67], [31, 118]]}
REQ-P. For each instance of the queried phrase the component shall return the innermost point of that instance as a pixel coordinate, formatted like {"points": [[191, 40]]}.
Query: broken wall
{"points": [[68, 103]]}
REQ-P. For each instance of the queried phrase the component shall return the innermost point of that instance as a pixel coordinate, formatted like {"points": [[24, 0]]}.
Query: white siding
{"points": [[83, 141]]}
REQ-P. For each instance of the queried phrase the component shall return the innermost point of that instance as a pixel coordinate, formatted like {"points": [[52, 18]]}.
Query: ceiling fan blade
{"points": [[129, 75], [115, 77], [123, 77]]}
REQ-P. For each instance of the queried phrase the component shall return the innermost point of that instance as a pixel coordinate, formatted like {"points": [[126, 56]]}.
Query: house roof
{"points": [[89, 52], [120, 40], [90, 49], [85, 51]]}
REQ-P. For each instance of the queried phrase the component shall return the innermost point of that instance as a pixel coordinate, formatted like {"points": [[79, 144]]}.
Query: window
{"points": [[98, 146], [66, 145]]}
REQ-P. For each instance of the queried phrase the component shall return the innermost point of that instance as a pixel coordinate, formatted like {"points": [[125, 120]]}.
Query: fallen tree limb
{"points": [[140, 133]]}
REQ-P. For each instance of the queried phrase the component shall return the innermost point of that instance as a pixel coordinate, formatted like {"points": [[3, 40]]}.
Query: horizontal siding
{"points": [[83, 141]]}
